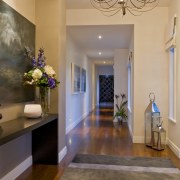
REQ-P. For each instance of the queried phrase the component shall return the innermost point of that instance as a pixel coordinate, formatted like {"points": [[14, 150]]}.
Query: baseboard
{"points": [[174, 148], [18, 169], [62, 154], [74, 124], [84, 115], [138, 139]]}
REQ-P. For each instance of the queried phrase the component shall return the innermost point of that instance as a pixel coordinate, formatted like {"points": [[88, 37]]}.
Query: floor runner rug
{"points": [[97, 167]]}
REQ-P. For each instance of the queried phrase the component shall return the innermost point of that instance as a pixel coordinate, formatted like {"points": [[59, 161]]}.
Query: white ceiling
{"points": [[85, 4], [113, 37]]}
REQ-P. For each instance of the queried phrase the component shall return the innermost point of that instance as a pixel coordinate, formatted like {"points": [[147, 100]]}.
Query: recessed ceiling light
{"points": [[100, 53], [100, 37]]}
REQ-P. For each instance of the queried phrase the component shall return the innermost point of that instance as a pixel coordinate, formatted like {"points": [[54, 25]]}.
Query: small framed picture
{"points": [[75, 79], [83, 80]]}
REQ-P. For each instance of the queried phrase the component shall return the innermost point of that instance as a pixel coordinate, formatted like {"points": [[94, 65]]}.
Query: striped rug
{"points": [[97, 167]]}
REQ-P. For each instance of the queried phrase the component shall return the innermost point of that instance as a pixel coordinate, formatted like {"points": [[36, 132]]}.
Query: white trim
{"points": [[174, 148], [171, 33], [172, 120], [13, 174], [130, 130], [172, 86], [74, 124], [138, 139], [125, 168], [129, 109], [62, 154]]}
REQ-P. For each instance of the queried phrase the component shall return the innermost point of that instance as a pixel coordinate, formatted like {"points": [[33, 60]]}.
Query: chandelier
{"points": [[135, 7]]}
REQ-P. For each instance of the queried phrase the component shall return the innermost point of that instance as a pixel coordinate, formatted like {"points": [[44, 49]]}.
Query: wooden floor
{"points": [[96, 135]]}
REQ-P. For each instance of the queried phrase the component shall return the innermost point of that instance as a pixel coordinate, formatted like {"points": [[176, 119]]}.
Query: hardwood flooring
{"points": [[96, 135]]}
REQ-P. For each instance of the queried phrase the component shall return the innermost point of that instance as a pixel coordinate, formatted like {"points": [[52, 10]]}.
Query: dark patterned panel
{"points": [[106, 88]]}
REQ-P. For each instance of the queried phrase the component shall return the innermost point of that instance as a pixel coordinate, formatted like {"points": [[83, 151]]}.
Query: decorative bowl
{"points": [[32, 110]]}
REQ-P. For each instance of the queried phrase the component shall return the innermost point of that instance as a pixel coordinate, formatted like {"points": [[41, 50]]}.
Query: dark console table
{"points": [[44, 136]]}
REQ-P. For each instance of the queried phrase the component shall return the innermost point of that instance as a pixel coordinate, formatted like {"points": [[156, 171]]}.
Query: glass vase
{"points": [[44, 97]]}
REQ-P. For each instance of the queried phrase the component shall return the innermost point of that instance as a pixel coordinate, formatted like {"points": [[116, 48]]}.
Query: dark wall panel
{"points": [[106, 88]]}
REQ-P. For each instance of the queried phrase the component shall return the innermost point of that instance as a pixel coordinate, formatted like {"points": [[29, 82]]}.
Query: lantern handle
{"points": [[152, 97]]}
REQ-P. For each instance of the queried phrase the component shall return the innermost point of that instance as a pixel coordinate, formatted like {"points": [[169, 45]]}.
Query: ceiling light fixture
{"points": [[99, 37], [100, 53], [135, 7]]}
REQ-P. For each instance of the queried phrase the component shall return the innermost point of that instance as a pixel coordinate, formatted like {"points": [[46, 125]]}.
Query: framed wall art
{"points": [[16, 33], [75, 79], [83, 80]]}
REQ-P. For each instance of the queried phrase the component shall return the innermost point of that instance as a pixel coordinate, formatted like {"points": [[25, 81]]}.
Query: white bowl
{"points": [[32, 110]]}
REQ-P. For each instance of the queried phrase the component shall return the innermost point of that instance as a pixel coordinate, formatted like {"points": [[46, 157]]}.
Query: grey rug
{"points": [[97, 167], [125, 161]]}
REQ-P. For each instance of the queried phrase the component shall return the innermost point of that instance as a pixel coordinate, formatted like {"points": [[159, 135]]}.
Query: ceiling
{"points": [[85, 4], [113, 37]]}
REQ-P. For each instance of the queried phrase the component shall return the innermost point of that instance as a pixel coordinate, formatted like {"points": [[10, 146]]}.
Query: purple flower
{"points": [[45, 75], [51, 82], [41, 62], [41, 59], [34, 62]]}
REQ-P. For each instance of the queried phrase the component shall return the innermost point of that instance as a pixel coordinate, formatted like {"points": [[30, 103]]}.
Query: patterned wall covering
{"points": [[106, 88]]}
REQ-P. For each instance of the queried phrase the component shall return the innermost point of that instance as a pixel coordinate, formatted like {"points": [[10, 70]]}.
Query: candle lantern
{"points": [[159, 137], [151, 113]]}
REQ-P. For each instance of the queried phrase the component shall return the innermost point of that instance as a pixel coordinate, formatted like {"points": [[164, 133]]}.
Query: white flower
{"points": [[49, 70], [37, 74]]}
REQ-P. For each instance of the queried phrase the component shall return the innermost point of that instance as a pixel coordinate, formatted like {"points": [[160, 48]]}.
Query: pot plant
{"points": [[121, 113]]}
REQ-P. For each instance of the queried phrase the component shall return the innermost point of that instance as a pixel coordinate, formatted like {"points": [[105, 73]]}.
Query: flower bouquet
{"points": [[42, 76]]}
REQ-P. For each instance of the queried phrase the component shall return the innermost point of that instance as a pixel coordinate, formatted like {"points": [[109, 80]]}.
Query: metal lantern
{"points": [[159, 136], [151, 113]]}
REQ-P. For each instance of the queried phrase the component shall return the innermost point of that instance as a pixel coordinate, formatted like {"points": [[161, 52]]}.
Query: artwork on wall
{"points": [[83, 80], [78, 79], [76, 76], [16, 33]]}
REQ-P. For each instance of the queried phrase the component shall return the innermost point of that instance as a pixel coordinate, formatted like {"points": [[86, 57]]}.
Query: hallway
{"points": [[96, 135]]}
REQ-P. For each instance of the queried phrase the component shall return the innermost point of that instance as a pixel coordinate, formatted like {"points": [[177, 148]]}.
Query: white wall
{"points": [[174, 128], [150, 59], [51, 35], [92, 84], [102, 70], [25, 7], [77, 105], [131, 107], [120, 73]]}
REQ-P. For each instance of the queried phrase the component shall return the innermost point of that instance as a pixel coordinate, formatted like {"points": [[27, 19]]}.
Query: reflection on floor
{"points": [[106, 105], [97, 135]]}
